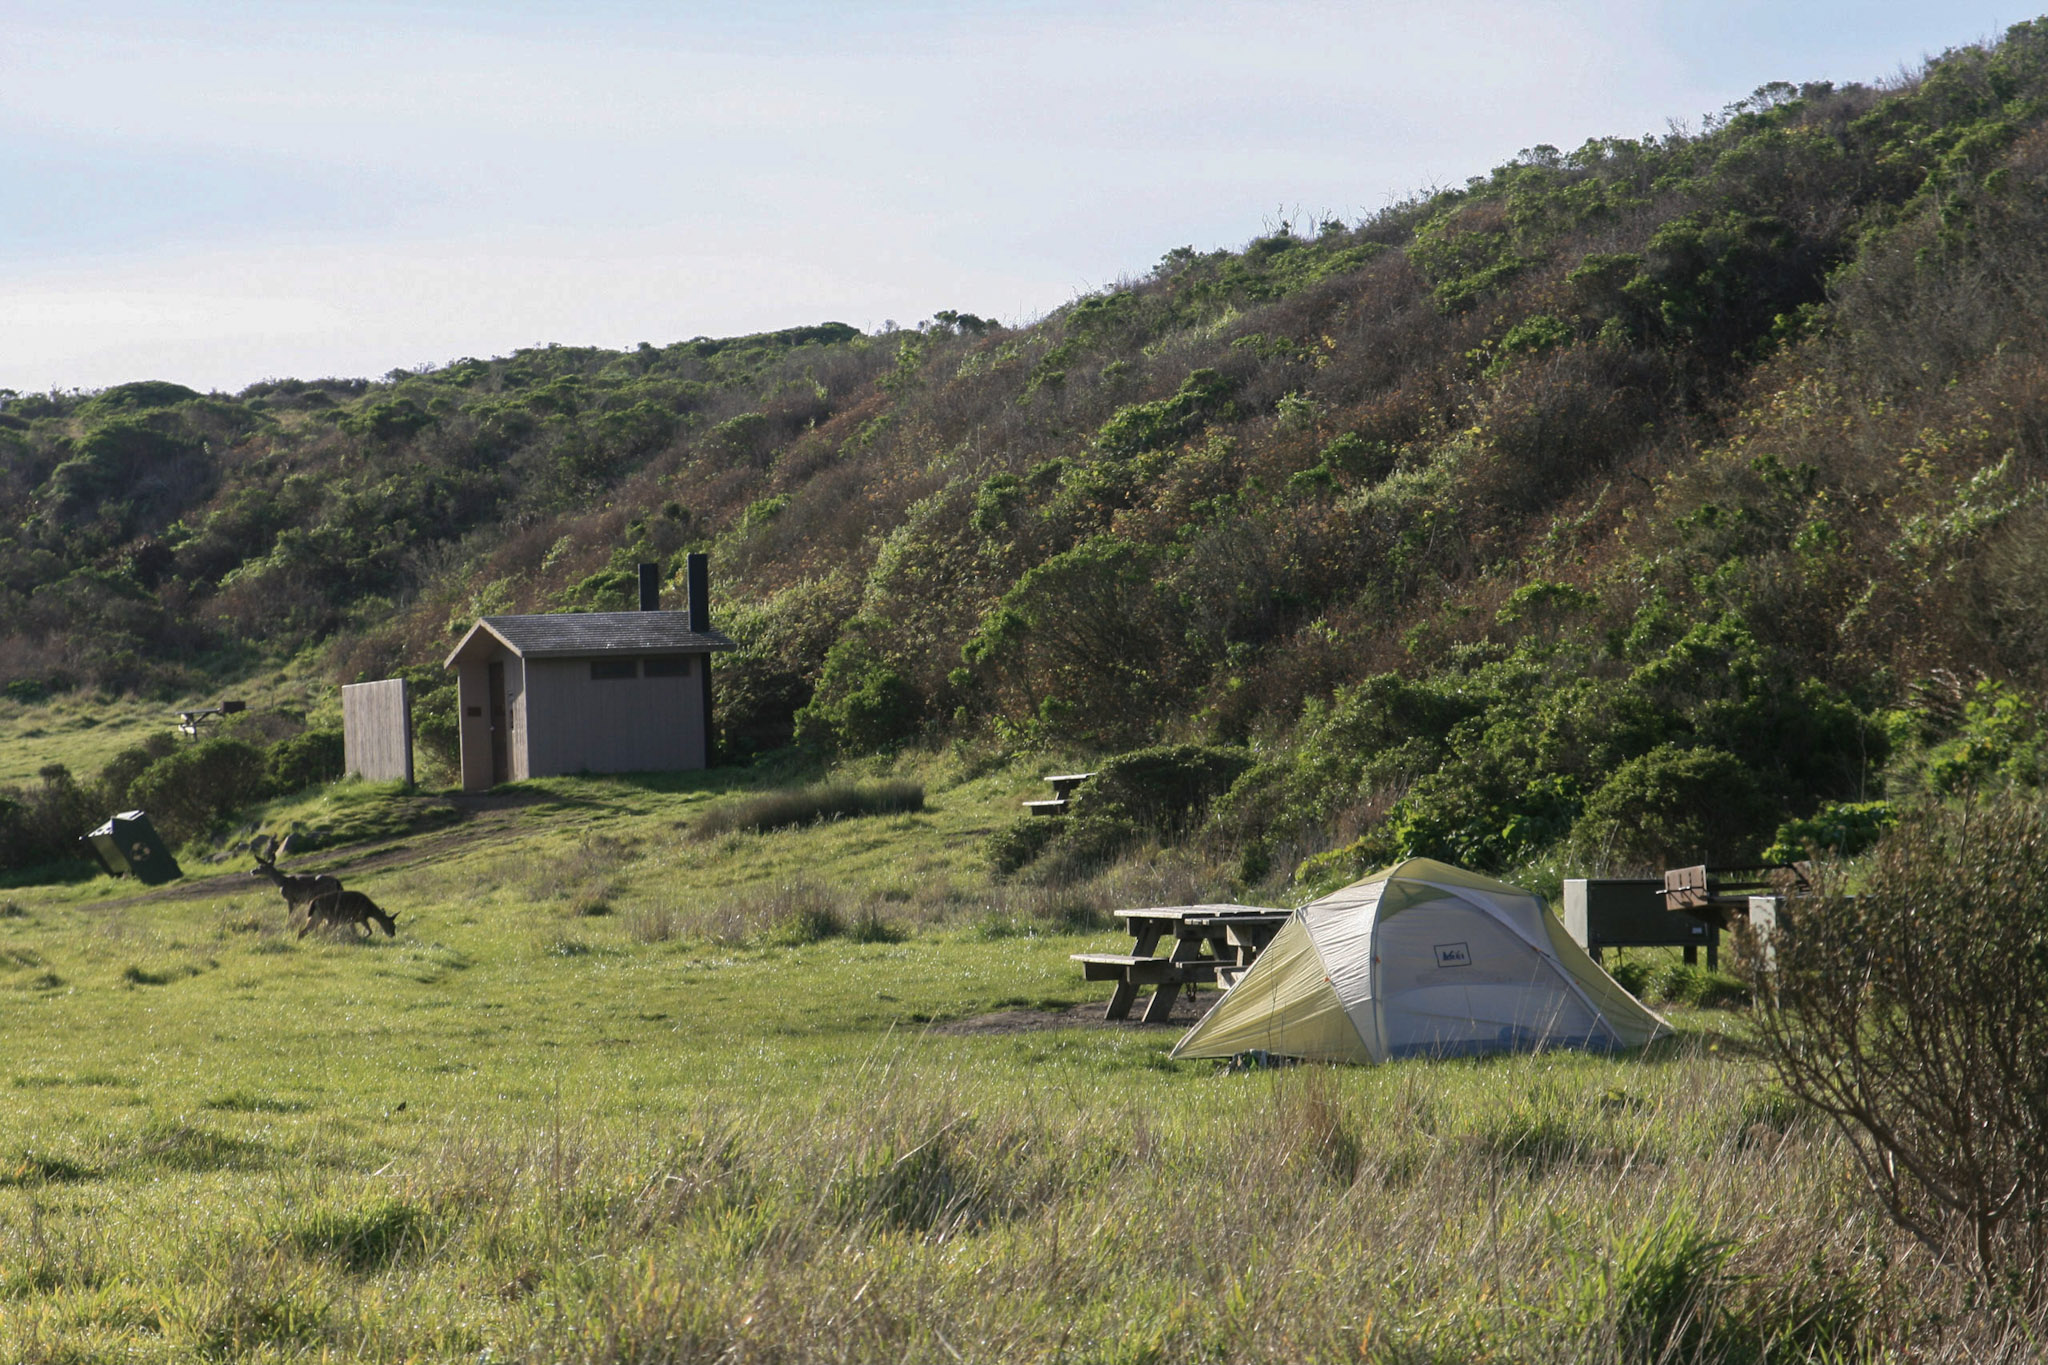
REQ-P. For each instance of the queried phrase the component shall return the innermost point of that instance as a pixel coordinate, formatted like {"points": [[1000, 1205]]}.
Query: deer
{"points": [[298, 892], [352, 908]]}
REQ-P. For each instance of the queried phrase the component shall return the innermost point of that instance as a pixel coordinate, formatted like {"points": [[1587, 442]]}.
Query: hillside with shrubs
{"points": [[1667, 498]]}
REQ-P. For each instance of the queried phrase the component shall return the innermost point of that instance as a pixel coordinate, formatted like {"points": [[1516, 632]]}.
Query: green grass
{"points": [[84, 729], [617, 1094]]}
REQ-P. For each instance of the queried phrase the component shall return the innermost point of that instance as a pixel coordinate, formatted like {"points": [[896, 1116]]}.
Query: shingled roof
{"points": [[573, 634]]}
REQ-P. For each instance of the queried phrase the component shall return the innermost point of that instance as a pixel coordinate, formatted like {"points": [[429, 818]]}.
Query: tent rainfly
{"points": [[1423, 959]]}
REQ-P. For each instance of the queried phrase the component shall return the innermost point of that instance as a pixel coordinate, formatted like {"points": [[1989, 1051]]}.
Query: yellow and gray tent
{"points": [[1422, 959]]}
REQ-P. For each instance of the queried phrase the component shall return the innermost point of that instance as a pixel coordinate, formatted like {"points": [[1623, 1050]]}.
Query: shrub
{"points": [[121, 771], [747, 437], [42, 824], [305, 760], [1087, 640], [1841, 828], [1910, 1014], [1168, 787], [1016, 844], [187, 791], [770, 677], [1632, 976], [1203, 395], [2000, 742], [1086, 844], [1533, 335], [862, 704], [435, 726], [1674, 806], [806, 914]]}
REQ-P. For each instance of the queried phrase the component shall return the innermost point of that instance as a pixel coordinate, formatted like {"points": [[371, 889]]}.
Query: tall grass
{"points": [[809, 806], [916, 1209]]}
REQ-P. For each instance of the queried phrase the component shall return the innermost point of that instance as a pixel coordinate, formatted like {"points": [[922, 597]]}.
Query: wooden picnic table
{"points": [[1063, 785], [1210, 943]]}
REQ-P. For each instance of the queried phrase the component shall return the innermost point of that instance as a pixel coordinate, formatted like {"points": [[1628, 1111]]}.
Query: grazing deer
{"points": [[352, 908], [298, 892]]}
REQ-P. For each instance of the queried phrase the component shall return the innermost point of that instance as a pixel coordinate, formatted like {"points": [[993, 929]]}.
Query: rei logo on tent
{"points": [[1453, 955]]}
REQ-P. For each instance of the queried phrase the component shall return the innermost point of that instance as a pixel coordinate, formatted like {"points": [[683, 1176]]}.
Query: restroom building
{"points": [[589, 692]]}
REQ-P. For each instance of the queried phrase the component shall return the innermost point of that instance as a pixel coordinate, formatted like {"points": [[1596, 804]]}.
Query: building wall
{"points": [[573, 723], [376, 730]]}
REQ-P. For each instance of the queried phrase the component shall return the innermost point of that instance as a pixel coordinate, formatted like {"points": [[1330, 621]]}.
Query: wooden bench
{"points": [[1209, 941], [1143, 971], [1063, 785]]}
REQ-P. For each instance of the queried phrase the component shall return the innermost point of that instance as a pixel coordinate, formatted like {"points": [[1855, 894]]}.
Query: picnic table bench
{"points": [[1210, 943], [1063, 785]]}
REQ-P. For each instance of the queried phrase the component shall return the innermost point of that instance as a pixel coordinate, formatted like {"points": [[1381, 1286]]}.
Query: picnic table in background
{"points": [[1063, 785], [1209, 943]]}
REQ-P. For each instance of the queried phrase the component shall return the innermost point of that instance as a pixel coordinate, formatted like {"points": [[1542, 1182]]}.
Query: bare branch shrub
{"points": [[1911, 1014]]}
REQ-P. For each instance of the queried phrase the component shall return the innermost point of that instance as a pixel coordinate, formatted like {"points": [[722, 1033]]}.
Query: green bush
{"points": [[1348, 459], [1086, 844], [304, 760], [1167, 788], [2000, 742], [745, 437], [862, 704], [1084, 646], [435, 726], [118, 776], [1017, 844], [388, 422], [1203, 396], [1533, 335], [1632, 976], [1482, 811], [41, 825], [1674, 807], [1841, 828], [188, 791], [772, 675]]}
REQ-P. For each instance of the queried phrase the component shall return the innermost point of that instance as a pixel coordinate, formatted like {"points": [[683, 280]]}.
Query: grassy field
{"points": [[616, 1092], [83, 729]]}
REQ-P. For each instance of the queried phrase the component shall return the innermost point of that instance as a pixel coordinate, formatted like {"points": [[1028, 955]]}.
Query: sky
{"points": [[220, 193]]}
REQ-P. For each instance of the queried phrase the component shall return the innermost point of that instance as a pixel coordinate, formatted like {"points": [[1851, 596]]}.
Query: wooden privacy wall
{"points": [[376, 730]]}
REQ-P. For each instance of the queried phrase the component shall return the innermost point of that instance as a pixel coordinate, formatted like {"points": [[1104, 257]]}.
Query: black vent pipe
{"points": [[699, 573], [650, 587]]}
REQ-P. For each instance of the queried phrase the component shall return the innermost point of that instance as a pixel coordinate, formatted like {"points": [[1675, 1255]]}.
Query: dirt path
{"points": [[485, 819]]}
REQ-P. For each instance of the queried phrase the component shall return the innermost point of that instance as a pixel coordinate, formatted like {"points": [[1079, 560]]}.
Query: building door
{"points": [[501, 768]]}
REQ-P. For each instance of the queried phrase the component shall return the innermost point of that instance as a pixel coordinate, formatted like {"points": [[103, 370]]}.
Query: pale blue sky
{"points": [[224, 192]]}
